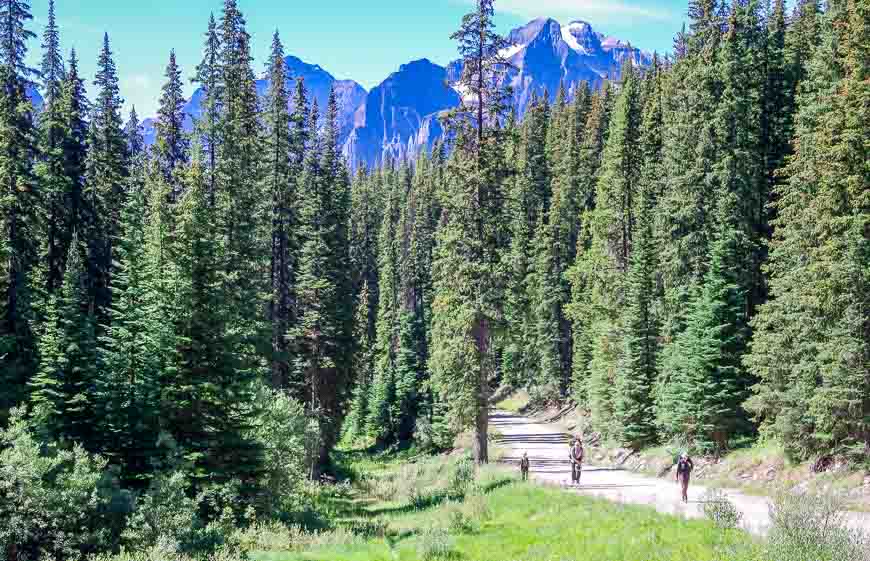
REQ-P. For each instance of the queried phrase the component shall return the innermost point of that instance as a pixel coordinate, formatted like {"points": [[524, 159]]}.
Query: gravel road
{"points": [[547, 447]]}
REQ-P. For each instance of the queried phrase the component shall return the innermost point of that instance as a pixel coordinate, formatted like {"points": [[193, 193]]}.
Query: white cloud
{"points": [[566, 10]]}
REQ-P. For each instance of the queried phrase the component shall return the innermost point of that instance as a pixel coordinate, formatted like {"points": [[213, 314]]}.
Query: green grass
{"points": [[515, 402], [500, 519]]}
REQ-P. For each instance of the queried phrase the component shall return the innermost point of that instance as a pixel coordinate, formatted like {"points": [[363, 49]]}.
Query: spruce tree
{"points": [[171, 146], [209, 401], [363, 367], [74, 109], [64, 391], [581, 274], [810, 344], [530, 193], [208, 77], [240, 199], [19, 205], [468, 293], [321, 339], [702, 382], [105, 178], [383, 413], [687, 203], [281, 185], [612, 226], [365, 220], [568, 203], [51, 69], [135, 138], [740, 167], [50, 173], [130, 356], [637, 368]]}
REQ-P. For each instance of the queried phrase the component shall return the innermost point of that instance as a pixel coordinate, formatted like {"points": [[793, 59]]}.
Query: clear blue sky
{"points": [[364, 40]]}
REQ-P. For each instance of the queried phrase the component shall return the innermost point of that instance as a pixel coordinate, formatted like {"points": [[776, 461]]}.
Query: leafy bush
{"points": [[54, 502], [459, 522], [435, 543], [464, 474], [418, 498], [433, 436], [165, 552], [812, 527], [721, 511], [282, 430], [167, 516]]}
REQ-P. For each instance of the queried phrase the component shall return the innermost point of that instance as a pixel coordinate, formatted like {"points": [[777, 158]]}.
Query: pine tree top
{"points": [[52, 70], [14, 35]]}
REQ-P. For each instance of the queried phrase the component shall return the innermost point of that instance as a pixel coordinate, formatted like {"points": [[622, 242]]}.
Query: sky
{"points": [[363, 40]]}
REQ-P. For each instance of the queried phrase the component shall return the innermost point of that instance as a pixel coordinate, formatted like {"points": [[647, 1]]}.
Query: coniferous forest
{"points": [[684, 252]]}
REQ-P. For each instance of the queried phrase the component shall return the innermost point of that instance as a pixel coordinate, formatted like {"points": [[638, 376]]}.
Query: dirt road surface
{"points": [[547, 447]]}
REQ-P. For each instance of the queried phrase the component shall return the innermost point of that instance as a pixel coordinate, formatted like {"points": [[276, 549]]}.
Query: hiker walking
{"points": [[576, 456], [684, 472], [524, 466]]}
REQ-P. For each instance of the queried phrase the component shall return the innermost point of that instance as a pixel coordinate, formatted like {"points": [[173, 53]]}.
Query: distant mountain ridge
{"points": [[399, 117], [318, 83], [401, 114]]}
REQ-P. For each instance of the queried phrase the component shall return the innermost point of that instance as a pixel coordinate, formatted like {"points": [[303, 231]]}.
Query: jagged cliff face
{"points": [[400, 115], [546, 54]]}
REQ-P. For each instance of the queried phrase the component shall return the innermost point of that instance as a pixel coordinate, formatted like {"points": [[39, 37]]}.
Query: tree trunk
{"points": [[481, 421]]}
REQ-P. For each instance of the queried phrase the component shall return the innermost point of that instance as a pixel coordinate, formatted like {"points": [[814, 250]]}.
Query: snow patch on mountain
{"points": [[511, 51], [570, 39]]}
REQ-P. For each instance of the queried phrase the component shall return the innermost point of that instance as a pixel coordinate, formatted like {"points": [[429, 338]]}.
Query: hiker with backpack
{"points": [[524, 466], [684, 472], [576, 456]]}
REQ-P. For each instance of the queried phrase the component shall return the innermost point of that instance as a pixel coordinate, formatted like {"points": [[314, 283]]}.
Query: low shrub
{"points": [[812, 526], [458, 520], [55, 502], [463, 476], [435, 544], [721, 511]]}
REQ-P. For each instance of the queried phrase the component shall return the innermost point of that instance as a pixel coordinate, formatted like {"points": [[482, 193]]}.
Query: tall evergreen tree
{"points": [[135, 138], [468, 293], [699, 390], [810, 344], [383, 413], [612, 226], [529, 193], [131, 358], [580, 275], [50, 172], [51, 69], [171, 145], [208, 76], [64, 391], [281, 184], [19, 205], [321, 339], [209, 400], [107, 170], [637, 369], [243, 206]]}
